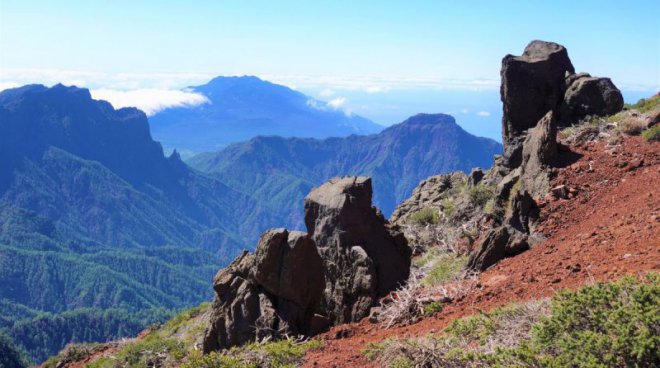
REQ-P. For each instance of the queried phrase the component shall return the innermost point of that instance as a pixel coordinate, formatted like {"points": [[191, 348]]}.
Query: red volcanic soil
{"points": [[610, 227]]}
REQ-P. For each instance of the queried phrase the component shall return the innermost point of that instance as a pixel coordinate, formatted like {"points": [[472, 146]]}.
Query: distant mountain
{"points": [[241, 108], [102, 234], [93, 216], [280, 171]]}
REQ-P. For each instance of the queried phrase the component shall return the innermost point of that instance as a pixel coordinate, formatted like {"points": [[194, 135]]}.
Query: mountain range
{"points": [[240, 108], [279, 171], [102, 234]]}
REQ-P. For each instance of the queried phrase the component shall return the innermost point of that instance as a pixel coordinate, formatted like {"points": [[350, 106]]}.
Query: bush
{"points": [[603, 325], [448, 207], [632, 125], [425, 216], [445, 267], [646, 104], [432, 308], [652, 134], [480, 195]]}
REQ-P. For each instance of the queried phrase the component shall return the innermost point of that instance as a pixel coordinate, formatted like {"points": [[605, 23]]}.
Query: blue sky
{"points": [[381, 59]]}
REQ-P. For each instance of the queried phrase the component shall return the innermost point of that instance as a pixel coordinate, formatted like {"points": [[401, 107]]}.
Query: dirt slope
{"points": [[610, 227]]}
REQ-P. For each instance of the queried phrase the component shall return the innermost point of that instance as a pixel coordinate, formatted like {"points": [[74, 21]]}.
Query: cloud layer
{"points": [[150, 101]]}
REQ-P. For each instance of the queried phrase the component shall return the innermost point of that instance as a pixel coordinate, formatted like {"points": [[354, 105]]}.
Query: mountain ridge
{"points": [[240, 108]]}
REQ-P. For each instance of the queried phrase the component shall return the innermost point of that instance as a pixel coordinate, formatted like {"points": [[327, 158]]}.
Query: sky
{"points": [[384, 60]]}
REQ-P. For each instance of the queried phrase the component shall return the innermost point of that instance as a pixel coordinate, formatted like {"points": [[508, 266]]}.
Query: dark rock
{"points": [[491, 249], [300, 284], [589, 96], [272, 292], [475, 177], [532, 85], [540, 152], [363, 256]]}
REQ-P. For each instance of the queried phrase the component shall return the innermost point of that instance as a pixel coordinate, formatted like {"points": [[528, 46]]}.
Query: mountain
{"points": [[279, 171], [93, 217], [240, 108], [101, 234]]}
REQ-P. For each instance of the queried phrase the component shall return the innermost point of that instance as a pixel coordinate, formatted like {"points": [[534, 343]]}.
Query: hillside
{"points": [[240, 108], [547, 258], [94, 217], [279, 171]]}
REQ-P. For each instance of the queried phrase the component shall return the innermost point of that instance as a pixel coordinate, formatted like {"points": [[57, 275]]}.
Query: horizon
{"points": [[382, 61]]}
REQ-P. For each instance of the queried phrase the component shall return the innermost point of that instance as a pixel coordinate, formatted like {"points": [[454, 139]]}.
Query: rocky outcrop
{"points": [[428, 193], [274, 291], [532, 84], [298, 284], [363, 257], [540, 92], [586, 95], [543, 79]]}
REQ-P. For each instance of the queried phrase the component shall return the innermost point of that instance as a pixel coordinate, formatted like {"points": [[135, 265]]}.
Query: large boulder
{"points": [[364, 257], [587, 95], [298, 284], [272, 292], [532, 84]]}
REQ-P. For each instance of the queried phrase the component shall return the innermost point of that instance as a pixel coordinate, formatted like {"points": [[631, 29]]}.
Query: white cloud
{"points": [[483, 113], [377, 89], [326, 92], [337, 103], [464, 111], [150, 101]]}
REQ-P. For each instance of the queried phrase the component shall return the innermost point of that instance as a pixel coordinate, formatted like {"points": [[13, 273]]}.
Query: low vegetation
{"points": [[646, 104], [443, 268], [602, 325], [481, 194], [176, 344], [425, 216], [652, 134]]}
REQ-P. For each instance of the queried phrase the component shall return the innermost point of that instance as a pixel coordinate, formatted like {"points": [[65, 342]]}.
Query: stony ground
{"points": [[608, 228]]}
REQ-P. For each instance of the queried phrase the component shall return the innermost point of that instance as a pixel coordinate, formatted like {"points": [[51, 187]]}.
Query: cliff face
{"points": [[296, 283]]}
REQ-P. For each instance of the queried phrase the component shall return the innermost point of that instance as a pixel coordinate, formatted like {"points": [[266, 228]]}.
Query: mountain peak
{"points": [[431, 119]]}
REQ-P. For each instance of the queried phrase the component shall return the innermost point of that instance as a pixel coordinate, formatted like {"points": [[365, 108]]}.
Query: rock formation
{"points": [[540, 91], [543, 79], [532, 85], [298, 284], [363, 257]]}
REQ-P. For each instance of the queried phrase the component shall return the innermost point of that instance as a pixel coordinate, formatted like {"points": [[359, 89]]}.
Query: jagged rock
{"points": [[297, 283], [363, 257], [509, 239], [428, 193], [587, 95], [276, 290], [490, 250], [532, 85], [540, 152]]}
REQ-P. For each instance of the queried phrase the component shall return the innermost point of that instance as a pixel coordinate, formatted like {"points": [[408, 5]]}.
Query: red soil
{"points": [[608, 229]]}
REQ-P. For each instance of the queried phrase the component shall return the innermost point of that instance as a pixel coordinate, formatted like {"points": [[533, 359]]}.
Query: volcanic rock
{"points": [[299, 284], [363, 257], [532, 85], [587, 96]]}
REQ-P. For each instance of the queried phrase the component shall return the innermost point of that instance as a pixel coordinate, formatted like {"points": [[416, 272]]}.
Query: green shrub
{"points": [[480, 195], [432, 308], [652, 134], [603, 325], [448, 207], [646, 104], [445, 267], [425, 216]]}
